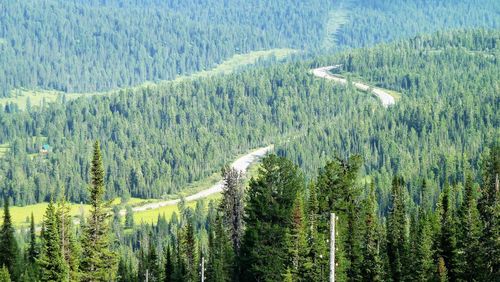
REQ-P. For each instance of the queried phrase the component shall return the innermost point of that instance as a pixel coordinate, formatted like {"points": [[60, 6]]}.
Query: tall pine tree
{"points": [[8, 244], [98, 261]]}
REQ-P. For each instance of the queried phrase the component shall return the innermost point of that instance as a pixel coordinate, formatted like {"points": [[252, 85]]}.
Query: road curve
{"points": [[324, 72], [240, 164]]}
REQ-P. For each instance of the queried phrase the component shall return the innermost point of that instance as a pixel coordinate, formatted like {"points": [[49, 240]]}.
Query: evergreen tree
{"points": [[154, 262], [33, 247], [271, 196], [189, 253], [372, 266], [340, 193], [220, 264], [169, 266], [129, 217], [297, 242], [98, 262], [424, 253], [51, 261], [447, 237], [470, 233], [69, 247], [232, 204], [489, 209], [397, 240], [8, 244]]}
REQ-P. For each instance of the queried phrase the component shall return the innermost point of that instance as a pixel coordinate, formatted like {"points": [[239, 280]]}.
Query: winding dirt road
{"points": [[245, 161], [324, 72], [240, 164]]}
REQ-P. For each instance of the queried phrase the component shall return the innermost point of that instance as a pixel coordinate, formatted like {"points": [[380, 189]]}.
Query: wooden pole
{"points": [[202, 269], [332, 247]]}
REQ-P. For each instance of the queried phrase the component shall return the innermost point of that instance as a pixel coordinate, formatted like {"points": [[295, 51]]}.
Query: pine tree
{"points": [[232, 204], [129, 217], [98, 262], [69, 246], [424, 253], [51, 261], [8, 244], [447, 237], [489, 209], [189, 253], [33, 247], [340, 193], [154, 262], [220, 263], [169, 266], [397, 241], [271, 195], [297, 242], [372, 266], [470, 233]]}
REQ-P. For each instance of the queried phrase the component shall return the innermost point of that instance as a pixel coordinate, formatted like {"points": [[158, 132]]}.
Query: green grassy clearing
{"points": [[336, 19], [21, 215], [40, 97]]}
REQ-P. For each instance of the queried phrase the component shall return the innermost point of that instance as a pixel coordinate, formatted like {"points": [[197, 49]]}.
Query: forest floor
{"points": [[386, 97]]}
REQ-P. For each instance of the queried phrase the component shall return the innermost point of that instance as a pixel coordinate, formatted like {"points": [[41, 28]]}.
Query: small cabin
{"points": [[45, 149]]}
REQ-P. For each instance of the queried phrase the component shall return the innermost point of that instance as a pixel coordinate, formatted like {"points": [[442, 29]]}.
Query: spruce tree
{"points": [[169, 265], [69, 246], [397, 240], [372, 266], [232, 204], [470, 233], [33, 247], [51, 261], [489, 209], [264, 253], [98, 261], [220, 263], [8, 244], [447, 244]]}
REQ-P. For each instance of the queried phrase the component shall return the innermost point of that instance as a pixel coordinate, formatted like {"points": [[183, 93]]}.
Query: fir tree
{"points": [[489, 209], [470, 233], [169, 266], [33, 247], [447, 236], [51, 261], [98, 261], [129, 217], [8, 244], [221, 256], [232, 204], [397, 241], [271, 195], [69, 246], [371, 267]]}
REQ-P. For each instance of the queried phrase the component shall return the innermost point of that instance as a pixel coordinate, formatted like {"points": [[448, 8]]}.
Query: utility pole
{"points": [[333, 219], [202, 269]]}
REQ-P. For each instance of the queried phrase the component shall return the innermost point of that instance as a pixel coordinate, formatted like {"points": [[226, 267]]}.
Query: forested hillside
{"points": [[191, 128], [86, 46], [83, 46]]}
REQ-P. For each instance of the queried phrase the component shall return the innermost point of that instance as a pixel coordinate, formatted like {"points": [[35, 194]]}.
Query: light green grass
{"points": [[21, 215], [39, 97]]}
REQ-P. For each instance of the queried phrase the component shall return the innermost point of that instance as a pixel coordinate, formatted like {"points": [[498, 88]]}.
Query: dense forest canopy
{"points": [[310, 119], [86, 46]]}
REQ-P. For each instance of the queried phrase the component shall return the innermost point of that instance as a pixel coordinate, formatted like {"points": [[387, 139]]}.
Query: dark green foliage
{"points": [[8, 245], [447, 238], [98, 261], [264, 255], [221, 260], [371, 268], [469, 233], [397, 231], [129, 217], [51, 261], [489, 210], [33, 246]]}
